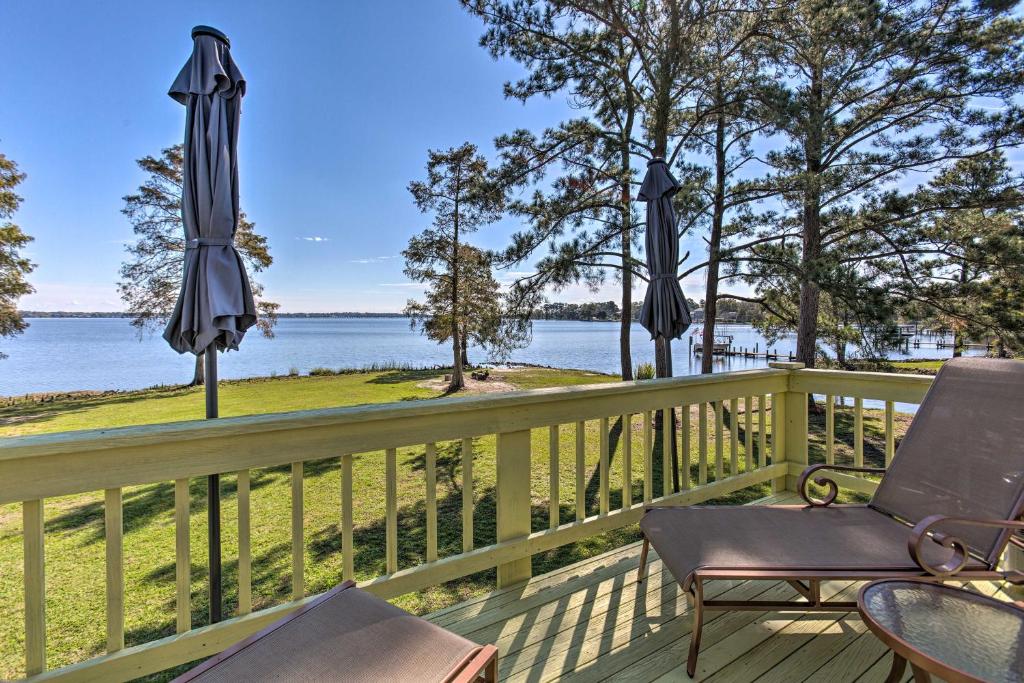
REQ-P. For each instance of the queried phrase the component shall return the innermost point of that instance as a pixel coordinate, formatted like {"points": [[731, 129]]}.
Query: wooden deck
{"points": [[592, 622]]}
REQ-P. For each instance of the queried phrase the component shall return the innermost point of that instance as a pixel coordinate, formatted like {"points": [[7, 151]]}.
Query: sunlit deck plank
{"points": [[770, 639], [852, 661], [819, 651], [718, 642], [662, 648], [553, 584]]}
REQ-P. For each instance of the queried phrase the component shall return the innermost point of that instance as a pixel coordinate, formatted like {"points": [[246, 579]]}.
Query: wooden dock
{"points": [[730, 351]]}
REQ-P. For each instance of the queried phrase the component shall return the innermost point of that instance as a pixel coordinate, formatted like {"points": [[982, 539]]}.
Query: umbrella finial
{"points": [[210, 31]]}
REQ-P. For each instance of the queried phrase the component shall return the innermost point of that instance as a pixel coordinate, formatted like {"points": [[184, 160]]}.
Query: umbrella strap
{"points": [[209, 242], [666, 276]]}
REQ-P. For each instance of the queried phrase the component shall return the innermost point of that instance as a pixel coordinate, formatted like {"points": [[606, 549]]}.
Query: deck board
{"points": [[592, 621]]}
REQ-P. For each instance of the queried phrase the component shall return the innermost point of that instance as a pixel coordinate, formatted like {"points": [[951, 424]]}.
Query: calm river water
{"points": [[64, 354]]}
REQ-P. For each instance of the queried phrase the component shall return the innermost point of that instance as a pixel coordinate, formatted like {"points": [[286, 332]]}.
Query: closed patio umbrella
{"points": [[664, 313], [215, 306]]}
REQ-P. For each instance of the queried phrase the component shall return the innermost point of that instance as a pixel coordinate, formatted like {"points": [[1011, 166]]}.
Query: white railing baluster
{"points": [[830, 429], [553, 509], [182, 555], [581, 444], [734, 437], [858, 432], [113, 526], [347, 547], [467, 495], [431, 501], [626, 436], [391, 503], [684, 438], [648, 458], [762, 429], [35, 587], [890, 432], [667, 435], [244, 544], [604, 497], [719, 441], [748, 433], [298, 536], [702, 443]]}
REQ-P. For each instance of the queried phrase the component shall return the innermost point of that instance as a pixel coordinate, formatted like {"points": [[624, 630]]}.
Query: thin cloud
{"points": [[373, 259], [314, 238]]}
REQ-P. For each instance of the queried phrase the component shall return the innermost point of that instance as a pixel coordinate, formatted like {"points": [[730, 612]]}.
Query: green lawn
{"points": [[928, 366], [74, 524]]}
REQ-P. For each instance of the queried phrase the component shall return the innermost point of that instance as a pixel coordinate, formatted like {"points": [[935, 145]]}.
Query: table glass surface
{"points": [[977, 635]]}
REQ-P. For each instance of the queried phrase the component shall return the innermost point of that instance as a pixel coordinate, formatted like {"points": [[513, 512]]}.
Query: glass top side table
{"points": [[951, 632]]}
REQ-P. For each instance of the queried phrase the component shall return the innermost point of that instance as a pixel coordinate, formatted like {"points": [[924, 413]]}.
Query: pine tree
{"points": [[580, 216], [868, 92], [462, 198], [970, 275], [14, 266]]}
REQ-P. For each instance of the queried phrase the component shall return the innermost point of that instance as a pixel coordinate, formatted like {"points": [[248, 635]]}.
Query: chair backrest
{"points": [[963, 454]]}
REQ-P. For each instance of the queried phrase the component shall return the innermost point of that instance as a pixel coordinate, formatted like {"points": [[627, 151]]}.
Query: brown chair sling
{"points": [[346, 634], [947, 506]]}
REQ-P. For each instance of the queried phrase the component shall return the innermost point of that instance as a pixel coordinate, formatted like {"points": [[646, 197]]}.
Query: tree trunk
{"points": [[840, 351], [958, 334], [465, 354], [458, 381], [626, 319], [659, 135], [810, 291], [626, 217], [198, 378], [714, 242], [626, 323]]}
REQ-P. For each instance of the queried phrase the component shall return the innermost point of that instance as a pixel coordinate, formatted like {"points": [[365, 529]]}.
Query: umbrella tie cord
{"points": [[665, 276], [209, 242]]}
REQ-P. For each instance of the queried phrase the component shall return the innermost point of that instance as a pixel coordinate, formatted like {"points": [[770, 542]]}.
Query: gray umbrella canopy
{"points": [[664, 312], [215, 305]]}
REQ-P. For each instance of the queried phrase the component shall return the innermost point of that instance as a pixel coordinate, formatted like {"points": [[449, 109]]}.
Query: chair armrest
{"points": [[833, 488], [925, 531]]}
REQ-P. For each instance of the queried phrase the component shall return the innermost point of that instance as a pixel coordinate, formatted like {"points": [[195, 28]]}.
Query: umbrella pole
{"points": [[672, 422], [213, 490]]}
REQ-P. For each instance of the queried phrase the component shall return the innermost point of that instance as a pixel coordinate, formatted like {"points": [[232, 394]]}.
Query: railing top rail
{"points": [[103, 439], [886, 386], [74, 462]]}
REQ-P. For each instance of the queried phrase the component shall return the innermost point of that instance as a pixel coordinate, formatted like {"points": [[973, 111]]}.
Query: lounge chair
{"points": [[349, 635], [947, 506]]}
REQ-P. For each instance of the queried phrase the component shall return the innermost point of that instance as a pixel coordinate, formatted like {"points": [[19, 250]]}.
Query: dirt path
{"points": [[495, 384]]}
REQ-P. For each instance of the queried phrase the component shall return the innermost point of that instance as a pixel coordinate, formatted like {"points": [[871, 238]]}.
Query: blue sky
{"points": [[344, 99]]}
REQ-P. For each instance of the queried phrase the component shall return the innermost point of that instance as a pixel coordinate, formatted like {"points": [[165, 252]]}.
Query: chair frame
{"points": [[479, 665], [808, 582]]}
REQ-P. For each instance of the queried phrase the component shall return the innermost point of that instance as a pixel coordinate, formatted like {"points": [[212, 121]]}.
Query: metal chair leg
{"points": [[642, 571], [698, 627]]}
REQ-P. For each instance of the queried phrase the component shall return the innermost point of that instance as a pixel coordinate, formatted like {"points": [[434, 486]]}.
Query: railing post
{"points": [[792, 446], [513, 500]]}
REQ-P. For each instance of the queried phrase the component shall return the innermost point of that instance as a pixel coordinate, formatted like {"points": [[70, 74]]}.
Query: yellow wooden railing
{"points": [[35, 468]]}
